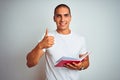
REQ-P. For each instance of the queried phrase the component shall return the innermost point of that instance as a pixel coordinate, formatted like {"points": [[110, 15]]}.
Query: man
{"points": [[58, 43]]}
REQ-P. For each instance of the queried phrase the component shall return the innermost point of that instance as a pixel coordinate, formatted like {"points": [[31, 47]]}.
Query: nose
{"points": [[62, 18]]}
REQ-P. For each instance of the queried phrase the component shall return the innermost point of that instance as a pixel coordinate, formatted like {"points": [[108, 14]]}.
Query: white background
{"points": [[23, 22]]}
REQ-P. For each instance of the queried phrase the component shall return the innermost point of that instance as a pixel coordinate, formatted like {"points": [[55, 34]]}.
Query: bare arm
{"points": [[34, 56]]}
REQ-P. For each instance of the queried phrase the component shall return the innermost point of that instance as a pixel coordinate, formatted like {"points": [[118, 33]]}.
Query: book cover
{"points": [[64, 60]]}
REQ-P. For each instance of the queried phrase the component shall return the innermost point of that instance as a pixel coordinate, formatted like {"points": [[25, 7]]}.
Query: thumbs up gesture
{"points": [[47, 41]]}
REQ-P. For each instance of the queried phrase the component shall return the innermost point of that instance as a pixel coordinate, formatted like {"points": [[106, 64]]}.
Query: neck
{"points": [[65, 32]]}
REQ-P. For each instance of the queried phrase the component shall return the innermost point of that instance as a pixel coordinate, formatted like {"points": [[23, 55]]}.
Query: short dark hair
{"points": [[62, 5]]}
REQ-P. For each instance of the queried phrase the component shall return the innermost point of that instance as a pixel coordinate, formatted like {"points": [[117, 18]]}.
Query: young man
{"points": [[58, 43]]}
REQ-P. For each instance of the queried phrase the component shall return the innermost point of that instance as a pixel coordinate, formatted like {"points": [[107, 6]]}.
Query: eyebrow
{"points": [[63, 14]]}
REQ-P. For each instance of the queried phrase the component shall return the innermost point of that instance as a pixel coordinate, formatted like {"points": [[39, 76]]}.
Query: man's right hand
{"points": [[47, 41]]}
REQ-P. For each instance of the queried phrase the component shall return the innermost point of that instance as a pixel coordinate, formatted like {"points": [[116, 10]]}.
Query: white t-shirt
{"points": [[70, 45]]}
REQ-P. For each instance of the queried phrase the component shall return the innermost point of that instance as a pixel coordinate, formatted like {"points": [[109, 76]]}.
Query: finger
{"points": [[75, 64], [83, 54], [80, 63], [46, 33], [70, 66]]}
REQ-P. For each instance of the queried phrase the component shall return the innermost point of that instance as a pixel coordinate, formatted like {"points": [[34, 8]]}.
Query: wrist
{"points": [[40, 46], [82, 67]]}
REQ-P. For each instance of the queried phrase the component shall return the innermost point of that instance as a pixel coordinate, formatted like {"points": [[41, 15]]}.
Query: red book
{"points": [[64, 60]]}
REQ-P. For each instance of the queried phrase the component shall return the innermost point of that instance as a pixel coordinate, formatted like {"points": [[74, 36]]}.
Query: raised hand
{"points": [[47, 41]]}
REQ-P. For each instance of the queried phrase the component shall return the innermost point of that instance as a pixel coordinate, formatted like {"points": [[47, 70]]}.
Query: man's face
{"points": [[62, 18]]}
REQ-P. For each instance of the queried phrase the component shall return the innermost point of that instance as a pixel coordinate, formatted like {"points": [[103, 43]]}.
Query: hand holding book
{"points": [[64, 60]]}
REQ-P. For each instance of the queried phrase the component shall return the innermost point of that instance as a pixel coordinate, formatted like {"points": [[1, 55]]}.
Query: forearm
{"points": [[34, 56]]}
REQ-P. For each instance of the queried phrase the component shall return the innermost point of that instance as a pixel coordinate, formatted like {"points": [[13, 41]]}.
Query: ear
{"points": [[54, 18], [70, 18]]}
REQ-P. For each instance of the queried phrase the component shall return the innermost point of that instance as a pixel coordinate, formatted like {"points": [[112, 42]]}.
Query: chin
{"points": [[62, 27]]}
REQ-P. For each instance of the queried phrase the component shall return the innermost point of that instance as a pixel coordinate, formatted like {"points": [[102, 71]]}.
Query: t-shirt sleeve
{"points": [[83, 49]]}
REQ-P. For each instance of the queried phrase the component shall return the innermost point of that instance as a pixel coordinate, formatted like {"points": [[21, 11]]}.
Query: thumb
{"points": [[46, 33]]}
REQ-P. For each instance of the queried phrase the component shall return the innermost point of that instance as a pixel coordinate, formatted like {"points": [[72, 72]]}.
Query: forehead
{"points": [[62, 10]]}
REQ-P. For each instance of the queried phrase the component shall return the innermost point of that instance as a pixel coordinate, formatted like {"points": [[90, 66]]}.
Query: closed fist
{"points": [[47, 41]]}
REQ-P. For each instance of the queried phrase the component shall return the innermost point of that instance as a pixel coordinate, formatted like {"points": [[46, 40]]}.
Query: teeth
{"points": [[62, 24]]}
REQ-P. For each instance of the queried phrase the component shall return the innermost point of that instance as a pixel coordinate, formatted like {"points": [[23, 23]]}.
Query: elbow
{"points": [[31, 64]]}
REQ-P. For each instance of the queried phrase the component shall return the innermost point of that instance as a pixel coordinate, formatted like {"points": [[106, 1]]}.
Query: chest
{"points": [[69, 47]]}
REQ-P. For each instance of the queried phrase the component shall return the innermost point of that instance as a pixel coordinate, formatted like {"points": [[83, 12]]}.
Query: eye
{"points": [[66, 15], [57, 15]]}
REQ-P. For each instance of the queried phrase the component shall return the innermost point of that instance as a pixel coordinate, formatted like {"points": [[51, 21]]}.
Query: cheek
{"points": [[56, 21], [69, 20]]}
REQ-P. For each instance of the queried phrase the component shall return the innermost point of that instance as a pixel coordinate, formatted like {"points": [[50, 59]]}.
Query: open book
{"points": [[64, 60]]}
